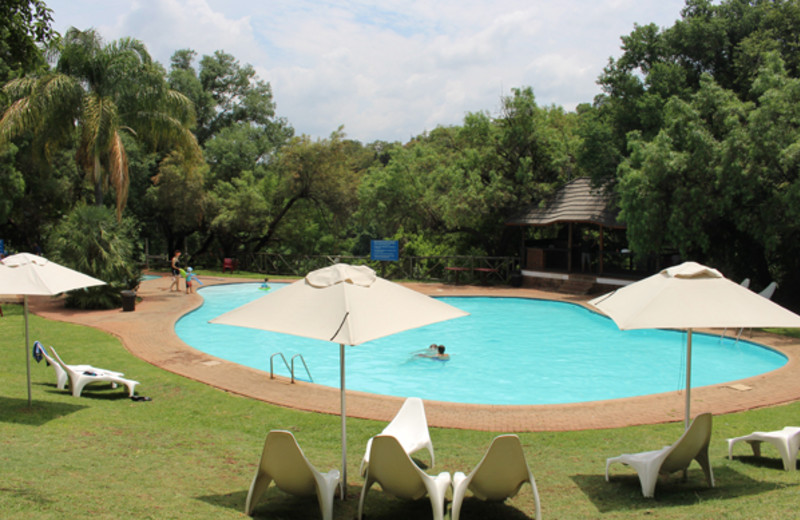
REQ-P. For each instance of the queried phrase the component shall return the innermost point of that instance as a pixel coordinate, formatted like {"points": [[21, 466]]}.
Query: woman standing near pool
{"points": [[176, 270]]}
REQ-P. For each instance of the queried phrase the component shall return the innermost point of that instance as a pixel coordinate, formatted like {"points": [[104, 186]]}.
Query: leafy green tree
{"points": [[727, 41], [106, 89], [459, 185], [176, 200], [317, 176], [241, 137], [720, 181], [226, 93], [91, 240], [241, 209], [24, 26]]}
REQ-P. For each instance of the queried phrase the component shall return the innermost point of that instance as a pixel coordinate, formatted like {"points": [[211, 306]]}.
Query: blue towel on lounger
{"points": [[38, 351]]}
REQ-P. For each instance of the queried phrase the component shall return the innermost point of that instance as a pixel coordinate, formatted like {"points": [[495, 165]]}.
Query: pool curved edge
{"points": [[158, 344]]}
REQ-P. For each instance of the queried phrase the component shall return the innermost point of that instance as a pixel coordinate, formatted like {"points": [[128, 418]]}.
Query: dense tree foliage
{"points": [[701, 119], [101, 90], [24, 24], [91, 240]]}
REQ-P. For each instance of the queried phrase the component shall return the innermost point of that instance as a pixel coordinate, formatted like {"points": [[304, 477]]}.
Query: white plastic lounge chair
{"points": [[769, 290], [692, 445], [392, 468], [284, 462], [79, 379], [499, 475], [409, 427], [61, 375], [786, 441], [767, 293], [746, 284]]}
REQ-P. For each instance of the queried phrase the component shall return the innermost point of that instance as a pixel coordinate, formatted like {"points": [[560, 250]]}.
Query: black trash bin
{"points": [[515, 280], [128, 300]]}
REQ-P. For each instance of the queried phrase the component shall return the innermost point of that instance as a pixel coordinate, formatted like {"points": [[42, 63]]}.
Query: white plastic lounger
{"points": [[398, 475], [62, 379], [285, 463], [499, 475], [692, 445], [409, 427], [79, 379], [786, 441]]}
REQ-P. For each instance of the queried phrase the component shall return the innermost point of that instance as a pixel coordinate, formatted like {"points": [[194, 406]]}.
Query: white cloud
{"points": [[388, 69]]}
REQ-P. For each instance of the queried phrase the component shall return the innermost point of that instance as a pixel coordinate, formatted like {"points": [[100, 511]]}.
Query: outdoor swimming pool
{"points": [[508, 351]]}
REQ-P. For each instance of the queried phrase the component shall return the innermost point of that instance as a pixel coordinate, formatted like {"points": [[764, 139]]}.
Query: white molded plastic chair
{"points": [[499, 475], [692, 445], [409, 427], [392, 468], [78, 379], [786, 441], [767, 293], [769, 290], [284, 462], [61, 375], [746, 284]]}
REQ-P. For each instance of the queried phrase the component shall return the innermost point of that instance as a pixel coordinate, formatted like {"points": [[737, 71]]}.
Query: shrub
{"points": [[91, 240]]}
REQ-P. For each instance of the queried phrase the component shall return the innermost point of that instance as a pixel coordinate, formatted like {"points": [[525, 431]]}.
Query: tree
{"points": [[92, 241], [316, 173], [176, 199], [456, 187], [24, 25], [720, 182], [226, 93], [727, 41], [103, 90]]}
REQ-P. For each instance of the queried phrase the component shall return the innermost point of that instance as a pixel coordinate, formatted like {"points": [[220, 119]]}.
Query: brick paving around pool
{"points": [[149, 333]]}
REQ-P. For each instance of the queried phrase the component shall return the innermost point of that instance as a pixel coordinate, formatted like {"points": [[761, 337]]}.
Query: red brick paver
{"points": [[149, 333]]}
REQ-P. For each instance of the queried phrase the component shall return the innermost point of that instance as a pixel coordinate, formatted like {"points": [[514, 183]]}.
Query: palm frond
{"points": [[118, 172]]}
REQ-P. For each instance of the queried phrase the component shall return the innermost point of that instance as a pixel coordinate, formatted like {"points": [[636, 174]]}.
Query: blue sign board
{"points": [[384, 250]]}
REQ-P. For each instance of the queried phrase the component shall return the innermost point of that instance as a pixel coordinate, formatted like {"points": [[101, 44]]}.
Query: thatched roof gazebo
{"points": [[577, 202]]}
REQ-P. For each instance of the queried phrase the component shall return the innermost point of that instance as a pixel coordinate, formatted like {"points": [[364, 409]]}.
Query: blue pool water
{"points": [[508, 351]]}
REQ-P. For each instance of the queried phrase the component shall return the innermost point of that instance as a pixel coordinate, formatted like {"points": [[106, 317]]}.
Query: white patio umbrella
{"points": [[25, 274], [690, 296], [343, 304]]}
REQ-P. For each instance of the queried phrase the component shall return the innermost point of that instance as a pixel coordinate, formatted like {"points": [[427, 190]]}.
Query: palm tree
{"points": [[102, 90]]}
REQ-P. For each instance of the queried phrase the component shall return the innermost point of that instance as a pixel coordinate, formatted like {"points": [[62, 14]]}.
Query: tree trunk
{"points": [[98, 183]]}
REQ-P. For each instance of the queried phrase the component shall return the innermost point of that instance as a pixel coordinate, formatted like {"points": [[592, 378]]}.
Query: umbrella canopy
{"points": [[690, 296], [343, 304], [27, 274]]}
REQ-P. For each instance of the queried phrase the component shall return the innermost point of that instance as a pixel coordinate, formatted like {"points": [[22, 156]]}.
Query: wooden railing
{"points": [[490, 269]]}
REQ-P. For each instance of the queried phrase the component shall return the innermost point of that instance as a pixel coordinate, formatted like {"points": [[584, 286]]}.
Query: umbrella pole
{"points": [[27, 342], [688, 377], [343, 480]]}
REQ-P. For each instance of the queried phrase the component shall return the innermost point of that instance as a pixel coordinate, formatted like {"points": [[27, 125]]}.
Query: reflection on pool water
{"points": [[508, 351]]}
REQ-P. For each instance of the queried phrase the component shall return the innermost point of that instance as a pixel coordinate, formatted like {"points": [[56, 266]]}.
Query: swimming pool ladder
{"points": [[288, 367]]}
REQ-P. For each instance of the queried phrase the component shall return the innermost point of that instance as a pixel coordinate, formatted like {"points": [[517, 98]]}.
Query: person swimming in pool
{"points": [[435, 352]]}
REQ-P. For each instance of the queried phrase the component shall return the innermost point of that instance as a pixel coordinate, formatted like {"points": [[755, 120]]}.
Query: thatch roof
{"points": [[575, 202]]}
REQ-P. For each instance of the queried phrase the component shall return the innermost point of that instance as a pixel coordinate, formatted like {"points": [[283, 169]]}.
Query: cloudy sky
{"points": [[387, 69]]}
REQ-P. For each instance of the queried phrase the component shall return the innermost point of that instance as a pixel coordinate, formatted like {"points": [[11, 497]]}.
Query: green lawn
{"points": [[192, 450]]}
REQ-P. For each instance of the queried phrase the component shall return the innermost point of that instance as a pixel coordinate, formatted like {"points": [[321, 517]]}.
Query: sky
{"points": [[387, 70]]}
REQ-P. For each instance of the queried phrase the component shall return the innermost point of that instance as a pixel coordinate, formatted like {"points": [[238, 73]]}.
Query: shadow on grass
{"points": [[762, 461], [377, 506], [274, 503], [100, 391], [17, 411], [474, 509], [33, 496], [624, 493]]}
